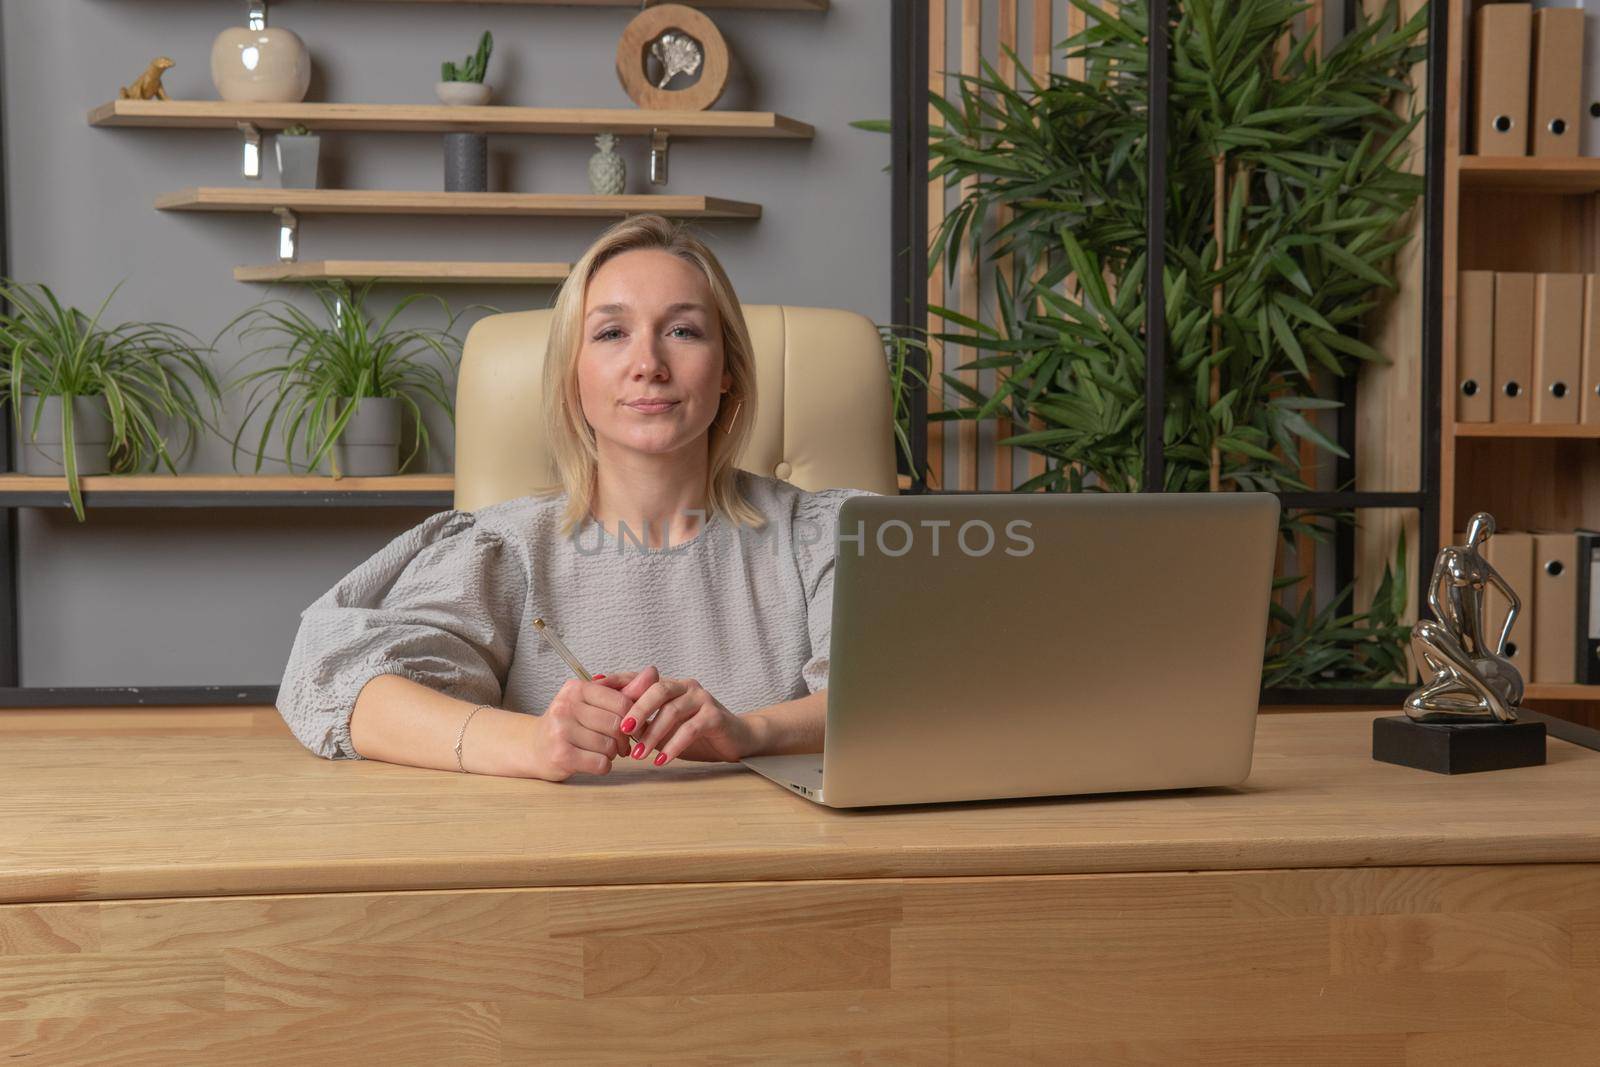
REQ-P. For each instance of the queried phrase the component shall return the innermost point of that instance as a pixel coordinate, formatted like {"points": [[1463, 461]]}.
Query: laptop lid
{"points": [[1015, 644]]}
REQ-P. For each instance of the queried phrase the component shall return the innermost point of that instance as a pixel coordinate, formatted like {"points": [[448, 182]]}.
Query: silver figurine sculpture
{"points": [[1470, 682], [678, 53]]}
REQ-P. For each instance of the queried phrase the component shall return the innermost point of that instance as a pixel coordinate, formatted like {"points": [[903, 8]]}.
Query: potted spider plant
{"points": [[344, 378], [85, 397]]}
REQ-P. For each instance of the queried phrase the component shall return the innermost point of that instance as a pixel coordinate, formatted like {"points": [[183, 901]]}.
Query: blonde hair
{"points": [[571, 438]]}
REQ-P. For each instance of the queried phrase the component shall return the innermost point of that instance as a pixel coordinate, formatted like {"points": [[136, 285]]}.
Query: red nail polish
{"points": [[661, 759], [598, 677], [628, 724], [638, 750]]}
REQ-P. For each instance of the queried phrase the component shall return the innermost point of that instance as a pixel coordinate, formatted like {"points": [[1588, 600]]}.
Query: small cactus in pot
{"points": [[462, 83]]}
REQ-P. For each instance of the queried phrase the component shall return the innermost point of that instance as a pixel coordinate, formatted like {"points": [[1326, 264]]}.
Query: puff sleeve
{"points": [[438, 605], [816, 520]]}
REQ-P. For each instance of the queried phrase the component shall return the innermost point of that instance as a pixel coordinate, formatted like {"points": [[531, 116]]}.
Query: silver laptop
{"points": [[991, 645]]}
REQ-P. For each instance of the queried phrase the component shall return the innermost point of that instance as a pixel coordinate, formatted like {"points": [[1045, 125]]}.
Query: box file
{"points": [[1511, 553], [1555, 606], [1589, 356], [1513, 346], [1557, 80], [1589, 101], [1587, 623], [1557, 338], [1502, 42], [1475, 347]]}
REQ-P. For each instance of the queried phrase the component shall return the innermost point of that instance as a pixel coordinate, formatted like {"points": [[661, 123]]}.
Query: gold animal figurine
{"points": [[147, 86]]}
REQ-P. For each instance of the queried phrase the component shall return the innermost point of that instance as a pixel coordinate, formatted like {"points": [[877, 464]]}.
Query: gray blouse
{"points": [[450, 604]]}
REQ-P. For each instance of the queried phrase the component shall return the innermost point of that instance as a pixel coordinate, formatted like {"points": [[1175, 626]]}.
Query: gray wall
{"points": [[197, 597]]}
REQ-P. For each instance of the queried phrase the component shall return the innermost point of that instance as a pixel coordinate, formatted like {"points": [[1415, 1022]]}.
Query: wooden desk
{"points": [[196, 888]]}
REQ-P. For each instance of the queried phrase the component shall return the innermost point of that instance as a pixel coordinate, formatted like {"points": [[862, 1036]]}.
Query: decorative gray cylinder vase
{"points": [[370, 443], [91, 436], [466, 162]]}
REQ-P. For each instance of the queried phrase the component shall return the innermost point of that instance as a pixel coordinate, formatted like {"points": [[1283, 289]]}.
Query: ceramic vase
{"points": [[466, 162], [260, 66], [608, 174]]}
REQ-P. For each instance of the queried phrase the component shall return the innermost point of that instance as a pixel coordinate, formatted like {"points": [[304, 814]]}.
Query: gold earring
{"points": [[734, 420]]}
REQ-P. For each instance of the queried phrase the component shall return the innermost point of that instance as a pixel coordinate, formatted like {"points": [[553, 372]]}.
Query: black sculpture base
{"points": [[1457, 748]]}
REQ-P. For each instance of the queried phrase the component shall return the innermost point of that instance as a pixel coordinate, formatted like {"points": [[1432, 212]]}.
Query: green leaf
{"points": [[1286, 338]]}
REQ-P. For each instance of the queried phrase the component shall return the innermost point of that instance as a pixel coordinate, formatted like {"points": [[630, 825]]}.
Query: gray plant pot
{"points": [[466, 163], [370, 443], [299, 158], [91, 436]]}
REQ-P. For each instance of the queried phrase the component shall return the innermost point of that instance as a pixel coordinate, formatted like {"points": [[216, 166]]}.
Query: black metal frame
{"points": [[909, 73], [908, 227]]}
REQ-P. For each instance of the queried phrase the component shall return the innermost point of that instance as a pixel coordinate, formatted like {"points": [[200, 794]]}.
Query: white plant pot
{"points": [[463, 94]]}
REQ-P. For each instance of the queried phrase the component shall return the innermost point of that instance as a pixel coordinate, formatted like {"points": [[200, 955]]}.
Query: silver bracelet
{"points": [[463, 734]]}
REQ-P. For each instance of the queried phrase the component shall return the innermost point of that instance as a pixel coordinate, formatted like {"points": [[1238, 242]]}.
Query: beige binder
{"points": [[1513, 347], [1555, 607], [1557, 80], [1475, 347], [1589, 376], [1511, 553], [1502, 43], [1557, 338]]}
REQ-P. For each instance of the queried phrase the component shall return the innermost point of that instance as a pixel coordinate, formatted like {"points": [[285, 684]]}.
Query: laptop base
{"points": [[800, 774]]}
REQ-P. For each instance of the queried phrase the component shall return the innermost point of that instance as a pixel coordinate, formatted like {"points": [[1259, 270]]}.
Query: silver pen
{"points": [[566, 653]]}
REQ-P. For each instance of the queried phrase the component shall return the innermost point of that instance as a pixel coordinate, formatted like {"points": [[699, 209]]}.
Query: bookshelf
{"points": [[1513, 214]]}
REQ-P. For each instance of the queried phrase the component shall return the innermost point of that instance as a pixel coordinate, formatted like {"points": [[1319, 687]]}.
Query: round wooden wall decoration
{"points": [[634, 48]]}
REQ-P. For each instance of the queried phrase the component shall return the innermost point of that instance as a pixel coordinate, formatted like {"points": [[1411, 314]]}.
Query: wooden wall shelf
{"points": [[746, 5], [1531, 174], [398, 270], [430, 202], [429, 118], [1560, 431], [434, 491]]}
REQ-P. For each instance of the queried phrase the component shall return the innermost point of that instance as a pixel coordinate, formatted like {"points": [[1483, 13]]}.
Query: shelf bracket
{"points": [[258, 15], [288, 235], [251, 165], [658, 157]]}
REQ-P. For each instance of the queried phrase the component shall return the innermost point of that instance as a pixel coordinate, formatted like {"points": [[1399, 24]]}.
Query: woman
{"points": [[701, 592]]}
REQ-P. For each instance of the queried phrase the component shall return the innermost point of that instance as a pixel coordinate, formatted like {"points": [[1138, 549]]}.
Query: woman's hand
{"points": [[689, 721], [577, 734]]}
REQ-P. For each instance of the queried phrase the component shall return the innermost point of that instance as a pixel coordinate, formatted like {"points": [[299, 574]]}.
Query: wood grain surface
{"points": [[298, 910], [93, 814]]}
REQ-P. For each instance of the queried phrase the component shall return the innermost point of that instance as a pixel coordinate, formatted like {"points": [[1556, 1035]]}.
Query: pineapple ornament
{"points": [[607, 172]]}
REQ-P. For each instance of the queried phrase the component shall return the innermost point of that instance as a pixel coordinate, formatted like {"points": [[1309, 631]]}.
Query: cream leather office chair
{"points": [[823, 420]]}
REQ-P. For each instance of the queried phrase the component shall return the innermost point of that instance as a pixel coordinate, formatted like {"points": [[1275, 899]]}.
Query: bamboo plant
{"points": [[1286, 199]]}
